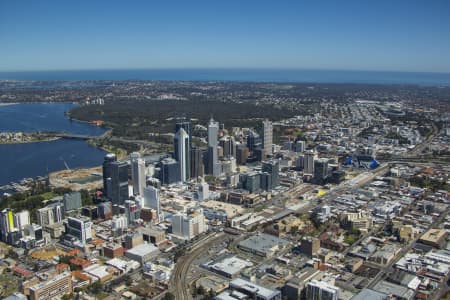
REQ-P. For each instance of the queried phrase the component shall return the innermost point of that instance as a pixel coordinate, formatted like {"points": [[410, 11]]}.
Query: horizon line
{"points": [[224, 68]]}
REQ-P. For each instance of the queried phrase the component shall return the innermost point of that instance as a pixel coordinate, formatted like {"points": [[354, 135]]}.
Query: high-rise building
{"points": [[267, 137], [228, 145], [182, 153], [299, 146], [321, 290], [253, 140], [53, 213], [9, 231], [197, 167], [170, 171], [151, 199], [308, 163], [187, 126], [251, 181], [241, 154], [190, 225], [202, 191], [21, 219], [272, 167], [72, 201], [109, 158], [118, 183], [213, 164], [310, 246], [320, 170], [79, 228], [137, 173]]}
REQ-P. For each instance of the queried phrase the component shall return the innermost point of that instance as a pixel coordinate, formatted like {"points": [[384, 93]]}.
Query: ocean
{"points": [[242, 75]]}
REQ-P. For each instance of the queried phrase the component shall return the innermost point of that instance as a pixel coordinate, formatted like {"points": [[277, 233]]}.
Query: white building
{"points": [[190, 225], [182, 154], [267, 137], [80, 228], [137, 173], [318, 290]]}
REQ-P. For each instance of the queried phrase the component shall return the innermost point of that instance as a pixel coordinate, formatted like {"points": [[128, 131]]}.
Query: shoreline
{"points": [[51, 139]]}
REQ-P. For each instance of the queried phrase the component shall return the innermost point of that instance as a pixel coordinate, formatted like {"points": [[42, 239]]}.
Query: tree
{"points": [[168, 296]]}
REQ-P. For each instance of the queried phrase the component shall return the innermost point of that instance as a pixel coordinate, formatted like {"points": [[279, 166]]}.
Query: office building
{"points": [[321, 290], [197, 166], [251, 182], [151, 199], [34, 231], [320, 170], [9, 232], [119, 182], [72, 201], [53, 288], [133, 239], [187, 126], [105, 210], [190, 225], [21, 219], [170, 171], [50, 214], [299, 146], [202, 191], [79, 228], [228, 145], [272, 167], [213, 164], [310, 246], [106, 167], [267, 137], [182, 153], [137, 173], [308, 163], [242, 153]]}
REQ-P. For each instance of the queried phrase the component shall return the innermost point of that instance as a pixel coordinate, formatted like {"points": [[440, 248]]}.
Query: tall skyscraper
{"points": [[182, 153], [118, 183], [137, 173], [267, 137], [197, 167], [109, 159], [308, 162], [187, 126], [213, 164]]}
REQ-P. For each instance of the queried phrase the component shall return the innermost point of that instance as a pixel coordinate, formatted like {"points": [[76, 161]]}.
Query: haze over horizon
{"points": [[405, 36]]}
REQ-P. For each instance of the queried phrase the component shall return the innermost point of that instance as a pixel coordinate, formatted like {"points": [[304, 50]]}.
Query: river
{"points": [[27, 160]]}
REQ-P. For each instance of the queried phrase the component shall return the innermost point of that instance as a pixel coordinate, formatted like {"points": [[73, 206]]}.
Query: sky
{"points": [[382, 35]]}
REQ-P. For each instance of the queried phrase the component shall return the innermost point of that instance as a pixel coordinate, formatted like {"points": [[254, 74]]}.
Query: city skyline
{"points": [[383, 36]]}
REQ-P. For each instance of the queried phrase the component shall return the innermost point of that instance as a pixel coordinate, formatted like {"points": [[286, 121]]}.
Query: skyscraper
{"points": [[267, 137], [272, 167], [213, 165], [320, 170], [170, 171], [308, 163], [187, 126], [319, 290], [137, 173], [118, 183], [109, 159], [182, 153], [197, 167], [151, 199]]}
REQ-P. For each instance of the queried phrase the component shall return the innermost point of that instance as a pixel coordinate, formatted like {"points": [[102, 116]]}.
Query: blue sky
{"points": [[346, 35]]}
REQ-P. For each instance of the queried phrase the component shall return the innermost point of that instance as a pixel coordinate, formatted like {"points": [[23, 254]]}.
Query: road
{"points": [[178, 282], [389, 268]]}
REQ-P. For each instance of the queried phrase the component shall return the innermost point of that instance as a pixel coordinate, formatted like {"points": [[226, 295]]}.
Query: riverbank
{"points": [[8, 138]]}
